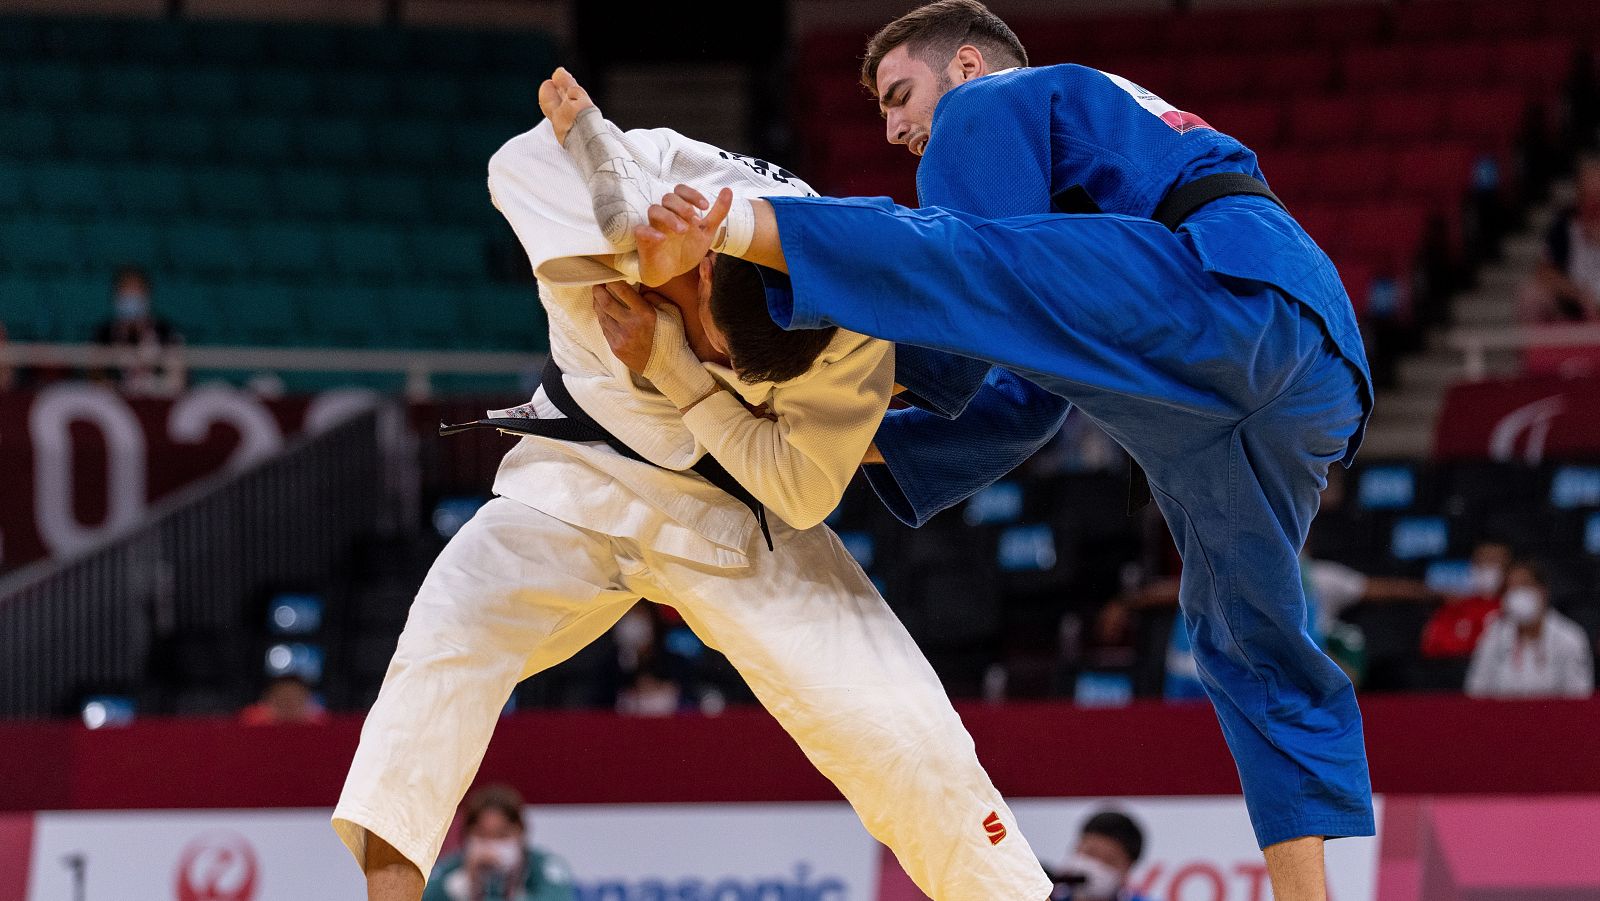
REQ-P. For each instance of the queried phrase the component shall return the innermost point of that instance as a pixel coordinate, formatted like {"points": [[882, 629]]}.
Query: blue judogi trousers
{"points": [[1227, 392]]}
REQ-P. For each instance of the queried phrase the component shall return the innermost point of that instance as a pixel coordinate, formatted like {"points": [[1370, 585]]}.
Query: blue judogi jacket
{"points": [[1071, 139]]}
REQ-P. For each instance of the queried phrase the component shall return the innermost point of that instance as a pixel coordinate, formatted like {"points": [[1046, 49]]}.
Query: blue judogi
{"points": [[1224, 357]]}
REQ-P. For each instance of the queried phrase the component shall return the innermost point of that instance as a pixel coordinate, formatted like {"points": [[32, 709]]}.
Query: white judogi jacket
{"points": [[797, 465]]}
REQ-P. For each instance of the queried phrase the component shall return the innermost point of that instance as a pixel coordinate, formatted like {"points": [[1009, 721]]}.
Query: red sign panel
{"points": [[1524, 420]]}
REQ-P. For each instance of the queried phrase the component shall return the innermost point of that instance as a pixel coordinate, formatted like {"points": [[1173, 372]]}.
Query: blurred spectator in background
{"points": [[8, 373], [286, 699], [1109, 844], [1566, 285], [1453, 630], [1529, 650], [495, 862], [157, 368], [651, 691]]}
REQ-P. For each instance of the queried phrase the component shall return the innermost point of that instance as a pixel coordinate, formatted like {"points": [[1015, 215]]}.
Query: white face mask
{"points": [[1100, 882], [1484, 579], [505, 852], [1522, 605]]}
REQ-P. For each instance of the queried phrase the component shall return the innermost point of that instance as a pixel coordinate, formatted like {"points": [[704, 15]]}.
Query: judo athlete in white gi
{"points": [[579, 533]]}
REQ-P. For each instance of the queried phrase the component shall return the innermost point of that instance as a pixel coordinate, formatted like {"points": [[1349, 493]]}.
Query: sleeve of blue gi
{"points": [[938, 382], [932, 463], [989, 151]]}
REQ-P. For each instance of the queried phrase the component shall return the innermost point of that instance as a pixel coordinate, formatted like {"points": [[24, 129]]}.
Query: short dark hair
{"points": [[761, 350], [1120, 828], [1534, 568], [939, 29], [502, 798]]}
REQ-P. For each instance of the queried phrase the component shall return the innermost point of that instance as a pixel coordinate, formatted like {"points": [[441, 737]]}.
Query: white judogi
{"points": [[580, 533]]}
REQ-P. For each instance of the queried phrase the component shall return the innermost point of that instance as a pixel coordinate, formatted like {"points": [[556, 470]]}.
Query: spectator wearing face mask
{"points": [[1527, 649], [495, 862], [157, 368], [1453, 630], [1109, 844]]}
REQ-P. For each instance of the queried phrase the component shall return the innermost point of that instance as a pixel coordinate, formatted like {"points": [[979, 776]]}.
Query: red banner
{"points": [[1524, 420]]}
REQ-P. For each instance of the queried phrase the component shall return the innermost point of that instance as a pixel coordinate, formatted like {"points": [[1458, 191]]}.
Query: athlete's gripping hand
{"points": [[628, 321], [651, 342], [561, 99], [678, 237]]}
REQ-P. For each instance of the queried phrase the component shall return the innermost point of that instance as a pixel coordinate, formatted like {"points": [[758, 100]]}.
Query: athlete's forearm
{"points": [[765, 247]]}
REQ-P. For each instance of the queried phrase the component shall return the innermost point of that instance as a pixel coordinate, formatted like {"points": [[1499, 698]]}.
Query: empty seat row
{"points": [[257, 44], [84, 191], [1439, 175], [58, 86], [293, 250], [271, 313], [188, 139], [1388, 236]]}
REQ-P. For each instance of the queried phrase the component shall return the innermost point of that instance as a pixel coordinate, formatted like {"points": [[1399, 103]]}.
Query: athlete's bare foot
{"points": [[561, 99]]}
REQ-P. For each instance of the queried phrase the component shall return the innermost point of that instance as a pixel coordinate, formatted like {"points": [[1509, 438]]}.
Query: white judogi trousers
{"points": [[517, 591]]}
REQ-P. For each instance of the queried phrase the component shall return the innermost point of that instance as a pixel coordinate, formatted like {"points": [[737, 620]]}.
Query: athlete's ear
{"points": [[968, 64], [703, 289]]}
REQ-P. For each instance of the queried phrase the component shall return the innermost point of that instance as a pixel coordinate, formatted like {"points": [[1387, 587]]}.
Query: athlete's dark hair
{"points": [[761, 351], [934, 33], [503, 798], [1120, 828]]}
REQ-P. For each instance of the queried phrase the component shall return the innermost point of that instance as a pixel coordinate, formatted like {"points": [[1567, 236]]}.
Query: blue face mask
{"points": [[130, 305]]}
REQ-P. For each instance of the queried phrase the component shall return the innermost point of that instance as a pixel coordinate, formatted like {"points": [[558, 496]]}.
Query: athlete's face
{"points": [[909, 89]]}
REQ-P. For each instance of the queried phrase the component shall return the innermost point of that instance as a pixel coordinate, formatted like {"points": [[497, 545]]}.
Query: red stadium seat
{"points": [[1438, 174], [1270, 29], [1230, 75], [1456, 64], [1160, 74], [1492, 117], [1542, 64], [1297, 72], [1341, 24], [1325, 225], [1338, 119], [1379, 68], [1427, 21], [1500, 19], [1354, 173], [1406, 115], [1256, 123], [1357, 276], [1388, 234], [1573, 17], [1293, 176]]}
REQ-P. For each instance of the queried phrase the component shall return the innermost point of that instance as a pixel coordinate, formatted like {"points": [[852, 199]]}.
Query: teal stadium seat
{"points": [[313, 193], [83, 38], [230, 43], [418, 143], [257, 139], [447, 49], [391, 198], [376, 48], [431, 94], [345, 316], [189, 306], [152, 190], [178, 138], [464, 198], [27, 134], [128, 87], [529, 53], [472, 143], [228, 192], [424, 317], [40, 245], [335, 141], [510, 97], [99, 136], [108, 243], [69, 188], [258, 314], [206, 249], [19, 38], [509, 317], [78, 305], [296, 250], [367, 252], [280, 90], [449, 253], [25, 309], [13, 185], [205, 90], [156, 41], [50, 86], [308, 46], [367, 94]]}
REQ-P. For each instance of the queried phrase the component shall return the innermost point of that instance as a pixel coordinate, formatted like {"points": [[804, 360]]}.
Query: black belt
{"points": [[580, 426], [1177, 206]]}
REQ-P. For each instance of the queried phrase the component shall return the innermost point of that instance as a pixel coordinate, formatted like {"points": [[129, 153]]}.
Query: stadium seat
{"points": [[50, 86], [432, 317], [472, 143], [178, 138], [389, 198], [1218, 76], [1540, 64], [98, 136], [1497, 19], [506, 97], [40, 245], [1438, 173], [462, 199], [337, 141], [207, 249], [508, 317], [19, 38], [1405, 116], [78, 305], [280, 90], [122, 241], [196, 90], [1353, 173], [156, 41], [25, 310], [288, 249], [1427, 21], [27, 134], [367, 251], [150, 190], [410, 142], [1456, 64], [258, 313], [1388, 234], [13, 185], [230, 192], [1378, 68], [1327, 121], [358, 93], [1267, 29], [1254, 123], [231, 43], [1491, 116], [446, 49], [1294, 73], [189, 306], [431, 94], [344, 315], [257, 139], [308, 46], [128, 87], [313, 193]]}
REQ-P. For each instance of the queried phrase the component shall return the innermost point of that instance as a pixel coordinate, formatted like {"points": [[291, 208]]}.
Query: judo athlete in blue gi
{"points": [[1219, 350]]}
